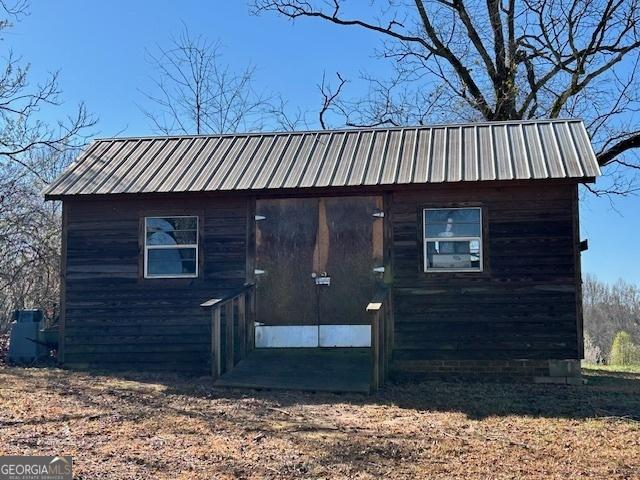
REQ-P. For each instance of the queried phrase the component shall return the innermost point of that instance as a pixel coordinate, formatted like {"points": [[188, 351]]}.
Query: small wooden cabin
{"points": [[448, 250]]}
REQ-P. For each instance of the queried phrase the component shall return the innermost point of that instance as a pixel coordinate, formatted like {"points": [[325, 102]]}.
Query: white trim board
{"points": [[312, 336], [345, 335]]}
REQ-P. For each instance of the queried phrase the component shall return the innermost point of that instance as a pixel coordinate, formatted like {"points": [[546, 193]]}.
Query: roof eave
{"points": [[339, 191]]}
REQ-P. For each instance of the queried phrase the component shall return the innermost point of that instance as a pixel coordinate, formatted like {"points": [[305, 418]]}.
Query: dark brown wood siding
{"points": [[115, 318], [522, 306]]}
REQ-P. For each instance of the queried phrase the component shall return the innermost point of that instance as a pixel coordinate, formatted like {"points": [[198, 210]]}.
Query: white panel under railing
{"points": [[310, 336]]}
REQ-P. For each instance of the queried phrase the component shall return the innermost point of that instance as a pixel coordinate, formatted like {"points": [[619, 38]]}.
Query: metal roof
{"points": [[541, 149]]}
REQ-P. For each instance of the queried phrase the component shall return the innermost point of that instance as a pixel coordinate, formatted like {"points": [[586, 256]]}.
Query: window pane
{"points": [[171, 261], [453, 230], [457, 215], [176, 237], [168, 224], [453, 255]]}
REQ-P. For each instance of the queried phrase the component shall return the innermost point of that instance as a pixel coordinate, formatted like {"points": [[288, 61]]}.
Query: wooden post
{"points": [[215, 343], [382, 349], [229, 337], [378, 309], [242, 324], [388, 329], [251, 318], [375, 346]]}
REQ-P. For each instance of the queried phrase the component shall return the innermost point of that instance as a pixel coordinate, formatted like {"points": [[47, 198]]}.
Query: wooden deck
{"points": [[307, 369]]}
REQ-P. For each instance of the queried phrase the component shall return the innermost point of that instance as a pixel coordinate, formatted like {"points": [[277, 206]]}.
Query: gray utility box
{"points": [[25, 345]]}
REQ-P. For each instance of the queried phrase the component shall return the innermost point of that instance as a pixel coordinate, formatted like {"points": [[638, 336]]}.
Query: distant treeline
{"points": [[611, 321]]}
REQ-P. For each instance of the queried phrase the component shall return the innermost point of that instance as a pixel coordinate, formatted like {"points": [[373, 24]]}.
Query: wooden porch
{"points": [[307, 369], [236, 363]]}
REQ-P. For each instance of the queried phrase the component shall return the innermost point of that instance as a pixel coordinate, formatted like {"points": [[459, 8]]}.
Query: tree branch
{"points": [[329, 97], [631, 142]]}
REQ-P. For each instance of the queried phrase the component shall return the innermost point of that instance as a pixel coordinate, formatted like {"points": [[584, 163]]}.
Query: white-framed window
{"points": [[171, 247], [452, 239]]}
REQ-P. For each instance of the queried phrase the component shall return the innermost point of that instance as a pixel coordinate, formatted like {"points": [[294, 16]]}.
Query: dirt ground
{"points": [[125, 427]]}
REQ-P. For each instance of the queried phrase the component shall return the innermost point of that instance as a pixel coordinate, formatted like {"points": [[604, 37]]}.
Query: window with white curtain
{"points": [[452, 239]]}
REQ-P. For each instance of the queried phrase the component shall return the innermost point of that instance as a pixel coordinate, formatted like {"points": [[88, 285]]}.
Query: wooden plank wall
{"points": [[115, 318], [523, 306]]}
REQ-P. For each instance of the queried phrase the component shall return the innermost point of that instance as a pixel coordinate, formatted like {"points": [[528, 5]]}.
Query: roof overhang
{"points": [[341, 159]]}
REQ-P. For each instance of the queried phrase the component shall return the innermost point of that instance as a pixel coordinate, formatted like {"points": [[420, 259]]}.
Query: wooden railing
{"points": [[379, 308], [239, 316]]}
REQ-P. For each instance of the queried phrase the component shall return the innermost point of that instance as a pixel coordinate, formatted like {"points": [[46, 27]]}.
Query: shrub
{"points": [[623, 350]]}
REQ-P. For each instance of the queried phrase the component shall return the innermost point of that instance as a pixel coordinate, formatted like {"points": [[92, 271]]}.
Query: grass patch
{"points": [[148, 426], [612, 368]]}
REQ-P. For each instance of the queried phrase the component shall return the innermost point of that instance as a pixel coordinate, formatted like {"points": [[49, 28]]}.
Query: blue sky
{"points": [[99, 48]]}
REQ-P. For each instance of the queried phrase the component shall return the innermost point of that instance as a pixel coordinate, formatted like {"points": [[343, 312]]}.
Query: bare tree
{"points": [[22, 132], [499, 60], [32, 153], [30, 237], [194, 92], [290, 119], [285, 117]]}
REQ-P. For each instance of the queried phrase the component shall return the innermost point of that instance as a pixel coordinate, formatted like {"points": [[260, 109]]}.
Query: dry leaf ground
{"points": [[142, 426]]}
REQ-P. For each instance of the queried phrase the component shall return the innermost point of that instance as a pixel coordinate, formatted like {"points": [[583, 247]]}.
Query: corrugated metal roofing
{"points": [[258, 161]]}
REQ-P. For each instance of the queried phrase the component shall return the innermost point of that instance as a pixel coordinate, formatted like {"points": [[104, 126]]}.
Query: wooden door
{"points": [[315, 260], [354, 251]]}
